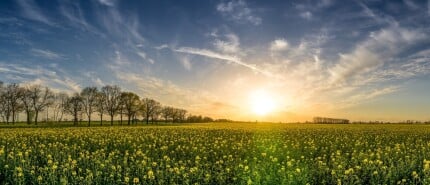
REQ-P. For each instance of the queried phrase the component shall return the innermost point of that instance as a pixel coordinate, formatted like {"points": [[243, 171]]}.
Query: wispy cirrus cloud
{"points": [[30, 10], [239, 11], [41, 76], [366, 96], [48, 54], [378, 49], [107, 2], [144, 56], [227, 58], [73, 12]]}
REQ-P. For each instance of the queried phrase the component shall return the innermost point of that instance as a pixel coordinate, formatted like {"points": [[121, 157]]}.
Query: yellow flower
{"points": [[135, 180], [151, 174]]}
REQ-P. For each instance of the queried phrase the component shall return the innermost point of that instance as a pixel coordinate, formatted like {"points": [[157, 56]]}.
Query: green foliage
{"points": [[217, 154]]}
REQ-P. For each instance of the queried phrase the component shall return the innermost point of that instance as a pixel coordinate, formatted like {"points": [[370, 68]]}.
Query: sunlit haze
{"points": [[248, 60]]}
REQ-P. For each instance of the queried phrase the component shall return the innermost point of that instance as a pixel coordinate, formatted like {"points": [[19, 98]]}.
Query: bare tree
{"points": [[156, 111], [89, 101], [27, 103], [59, 106], [100, 105], [40, 99], [112, 101], [121, 108], [131, 104], [12, 95], [181, 114], [74, 106], [166, 112], [3, 103], [148, 108]]}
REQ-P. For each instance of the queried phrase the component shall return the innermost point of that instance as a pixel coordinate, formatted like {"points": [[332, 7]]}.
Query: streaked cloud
{"points": [[238, 11], [379, 48], [48, 54], [107, 2], [228, 58], [30, 10], [41, 76], [145, 57]]}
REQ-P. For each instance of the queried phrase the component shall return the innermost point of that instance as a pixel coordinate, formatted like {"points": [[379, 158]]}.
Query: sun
{"points": [[262, 103]]}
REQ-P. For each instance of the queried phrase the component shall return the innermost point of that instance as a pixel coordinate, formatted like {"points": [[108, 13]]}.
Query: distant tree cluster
{"points": [[109, 101]]}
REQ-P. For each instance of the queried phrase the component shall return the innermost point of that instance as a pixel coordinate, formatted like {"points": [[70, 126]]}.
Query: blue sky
{"points": [[363, 60]]}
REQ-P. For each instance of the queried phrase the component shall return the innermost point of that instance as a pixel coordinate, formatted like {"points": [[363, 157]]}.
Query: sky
{"points": [[360, 60]]}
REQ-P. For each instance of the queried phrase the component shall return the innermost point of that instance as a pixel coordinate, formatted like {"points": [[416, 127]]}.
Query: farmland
{"points": [[217, 153]]}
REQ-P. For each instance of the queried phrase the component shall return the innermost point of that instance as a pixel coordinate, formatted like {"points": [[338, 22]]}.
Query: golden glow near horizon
{"points": [[262, 103]]}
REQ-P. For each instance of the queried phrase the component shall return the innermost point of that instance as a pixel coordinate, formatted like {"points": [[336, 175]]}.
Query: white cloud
{"points": [[238, 11], [379, 48], [366, 96], [31, 11], [122, 27], [306, 15], [107, 2], [74, 14], [228, 58], [279, 45], [185, 61], [46, 54], [42, 76], [411, 4], [145, 57], [379, 18], [230, 45], [163, 46]]}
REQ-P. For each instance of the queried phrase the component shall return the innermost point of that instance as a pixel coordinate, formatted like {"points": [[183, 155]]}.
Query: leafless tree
{"points": [[148, 108], [89, 101], [74, 106], [181, 114], [100, 105], [166, 112], [27, 103], [112, 101], [131, 103], [3, 105], [59, 106], [13, 103], [40, 99], [156, 111]]}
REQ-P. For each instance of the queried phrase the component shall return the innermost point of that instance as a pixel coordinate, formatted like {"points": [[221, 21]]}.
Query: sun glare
{"points": [[262, 103]]}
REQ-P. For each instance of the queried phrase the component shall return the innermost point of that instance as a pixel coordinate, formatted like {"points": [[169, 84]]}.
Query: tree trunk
{"points": [[13, 117], [121, 117], [101, 119], [28, 116], [89, 120], [111, 120], [129, 118], [36, 115], [75, 120], [147, 119]]}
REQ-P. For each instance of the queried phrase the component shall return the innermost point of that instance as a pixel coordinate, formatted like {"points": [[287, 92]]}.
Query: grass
{"points": [[216, 153]]}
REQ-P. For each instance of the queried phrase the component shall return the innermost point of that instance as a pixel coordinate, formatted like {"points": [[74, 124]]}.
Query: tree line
{"points": [[109, 101]]}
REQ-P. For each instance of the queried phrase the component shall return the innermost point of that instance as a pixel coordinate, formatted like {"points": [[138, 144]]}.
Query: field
{"points": [[217, 153]]}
